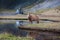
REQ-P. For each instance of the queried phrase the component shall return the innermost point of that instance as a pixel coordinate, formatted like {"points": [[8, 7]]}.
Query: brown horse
{"points": [[32, 17]]}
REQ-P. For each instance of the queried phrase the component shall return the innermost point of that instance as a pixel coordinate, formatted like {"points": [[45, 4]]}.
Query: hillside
{"points": [[44, 5], [52, 12]]}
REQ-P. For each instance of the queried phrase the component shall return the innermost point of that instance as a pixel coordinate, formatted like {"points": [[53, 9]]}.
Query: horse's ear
{"points": [[28, 13]]}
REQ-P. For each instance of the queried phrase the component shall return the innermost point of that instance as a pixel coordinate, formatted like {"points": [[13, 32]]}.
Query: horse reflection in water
{"points": [[19, 23]]}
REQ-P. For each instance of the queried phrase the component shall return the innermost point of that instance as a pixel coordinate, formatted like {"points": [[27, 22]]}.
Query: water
{"points": [[11, 26]]}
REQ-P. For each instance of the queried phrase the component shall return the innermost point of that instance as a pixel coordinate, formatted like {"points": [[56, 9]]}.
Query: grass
{"points": [[49, 25], [7, 36], [43, 10], [13, 18], [7, 10]]}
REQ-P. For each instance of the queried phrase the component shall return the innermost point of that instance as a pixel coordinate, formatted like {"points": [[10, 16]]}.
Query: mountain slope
{"points": [[44, 5]]}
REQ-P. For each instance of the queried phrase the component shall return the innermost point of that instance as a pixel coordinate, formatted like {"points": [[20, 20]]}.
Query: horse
{"points": [[32, 17]]}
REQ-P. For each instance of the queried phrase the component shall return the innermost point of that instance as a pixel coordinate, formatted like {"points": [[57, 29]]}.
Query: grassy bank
{"points": [[7, 36], [47, 25]]}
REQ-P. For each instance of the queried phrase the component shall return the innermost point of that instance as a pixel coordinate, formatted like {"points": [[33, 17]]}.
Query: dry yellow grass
{"points": [[49, 25]]}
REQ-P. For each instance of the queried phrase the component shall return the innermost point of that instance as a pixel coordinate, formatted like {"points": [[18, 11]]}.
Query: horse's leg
{"points": [[30, 21], [37, 21]]}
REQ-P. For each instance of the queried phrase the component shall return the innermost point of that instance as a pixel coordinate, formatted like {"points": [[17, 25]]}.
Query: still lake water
{"points": [[11, 26]]}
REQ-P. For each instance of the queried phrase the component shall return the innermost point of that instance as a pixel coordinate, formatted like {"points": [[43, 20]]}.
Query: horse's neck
{"points": [[28, 14]]}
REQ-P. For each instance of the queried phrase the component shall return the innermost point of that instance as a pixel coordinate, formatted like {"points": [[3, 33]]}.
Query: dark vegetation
{"points": [[10, 4]]}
